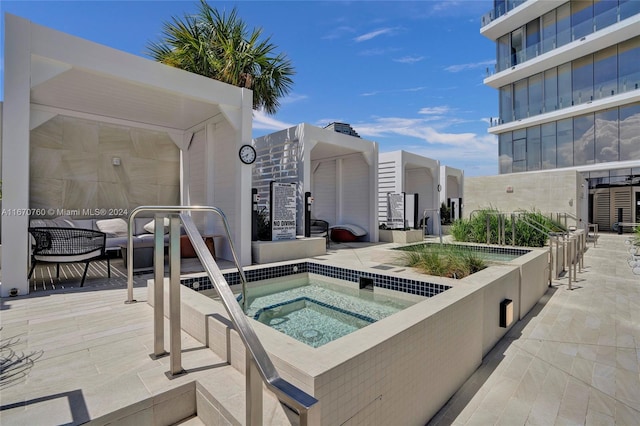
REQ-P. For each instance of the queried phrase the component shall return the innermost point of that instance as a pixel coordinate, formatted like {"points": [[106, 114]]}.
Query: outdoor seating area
{"points": [[68, 245]]}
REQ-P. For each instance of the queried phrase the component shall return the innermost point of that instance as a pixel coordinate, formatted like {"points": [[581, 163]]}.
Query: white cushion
{"points": [[113, 227], [151, 226], [354, 229]]}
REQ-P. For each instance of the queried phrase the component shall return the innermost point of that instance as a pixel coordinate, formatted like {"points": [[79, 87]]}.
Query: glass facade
{"points": [[603, 136], [570, 21], [605, 73]]}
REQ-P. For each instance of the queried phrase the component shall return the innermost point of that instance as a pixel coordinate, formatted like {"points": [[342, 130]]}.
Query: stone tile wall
{"points": [[72, 166]]}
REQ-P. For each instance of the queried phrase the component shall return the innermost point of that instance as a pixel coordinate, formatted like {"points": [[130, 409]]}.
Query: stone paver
{"points": [[574, 357]]}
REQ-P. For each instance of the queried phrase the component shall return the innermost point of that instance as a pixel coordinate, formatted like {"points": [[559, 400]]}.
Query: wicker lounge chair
{"points": [[68, 245]]}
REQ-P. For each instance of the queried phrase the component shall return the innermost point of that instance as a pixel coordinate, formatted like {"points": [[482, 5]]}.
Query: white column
{"points": [[243, 178], [15, 155]]}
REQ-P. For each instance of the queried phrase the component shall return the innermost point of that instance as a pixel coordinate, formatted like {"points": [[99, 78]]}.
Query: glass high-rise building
{"points": [[568, 78]]}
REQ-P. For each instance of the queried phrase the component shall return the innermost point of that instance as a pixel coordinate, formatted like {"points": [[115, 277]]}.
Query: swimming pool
{"points": [[316, 311]]}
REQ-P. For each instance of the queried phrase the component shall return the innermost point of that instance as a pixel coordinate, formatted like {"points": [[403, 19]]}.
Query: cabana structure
{"points": [[405, 172], [338, 170], [452, 189], [88, 130]]}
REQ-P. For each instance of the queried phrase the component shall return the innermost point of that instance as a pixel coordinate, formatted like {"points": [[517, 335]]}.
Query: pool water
{"points": [[317, 312]]}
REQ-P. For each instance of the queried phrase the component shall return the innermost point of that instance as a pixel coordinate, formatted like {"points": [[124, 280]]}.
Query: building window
{"points": [[564, 85], [535, 95], [506, 104], [605, 73], [581, 18], [565, 142], [583, 140], [628, 60], [517, 46], [504, 53], [606, 123], [520, 101], [505, 147], [548, 131], [629, 135], [549, 31], [629, 8], [533, 148], [520, 151], [605, 13], [550, 90], [582, 80], [563, 24]]}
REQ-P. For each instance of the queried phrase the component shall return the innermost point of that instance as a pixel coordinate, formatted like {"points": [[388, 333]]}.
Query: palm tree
{"points": [[219, 46]]}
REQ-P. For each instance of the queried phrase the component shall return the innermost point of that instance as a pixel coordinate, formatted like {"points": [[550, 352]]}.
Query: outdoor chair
{"points": [[320, 228], [68, 245]]}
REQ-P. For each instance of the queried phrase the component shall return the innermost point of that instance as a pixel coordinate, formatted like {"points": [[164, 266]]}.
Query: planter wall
{"points": [[410, 236]]}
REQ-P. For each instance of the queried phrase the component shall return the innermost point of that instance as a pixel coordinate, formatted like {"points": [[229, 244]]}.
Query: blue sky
{"points": [[407, 75]]}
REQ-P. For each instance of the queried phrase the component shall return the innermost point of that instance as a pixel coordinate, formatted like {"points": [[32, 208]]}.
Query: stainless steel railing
{"points": [[258, 363], [159, 225]]}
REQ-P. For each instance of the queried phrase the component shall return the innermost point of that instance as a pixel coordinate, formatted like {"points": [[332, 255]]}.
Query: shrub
{"points": [[444, 261], [475, 229]]}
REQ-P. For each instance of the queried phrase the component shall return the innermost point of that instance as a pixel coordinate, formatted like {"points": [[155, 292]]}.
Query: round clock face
{"points": [[247, 154]]}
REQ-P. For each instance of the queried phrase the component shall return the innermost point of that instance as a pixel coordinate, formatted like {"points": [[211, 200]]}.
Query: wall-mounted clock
{"points": [[247, 154]]}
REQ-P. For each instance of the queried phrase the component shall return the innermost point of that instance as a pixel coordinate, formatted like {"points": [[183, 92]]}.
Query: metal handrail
{"points": [[178, 209], [257, 359], [286, 392]]}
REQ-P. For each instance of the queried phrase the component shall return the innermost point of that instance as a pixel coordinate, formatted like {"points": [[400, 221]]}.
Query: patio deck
{"points": [[574, 359]]}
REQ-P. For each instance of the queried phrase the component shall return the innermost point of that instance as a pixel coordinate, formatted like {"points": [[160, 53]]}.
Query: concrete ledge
{"points": [[277, 251], [404, 237]]}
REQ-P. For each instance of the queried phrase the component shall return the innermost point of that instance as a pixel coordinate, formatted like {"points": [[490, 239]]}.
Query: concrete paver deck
{"points": [[574, 359]]}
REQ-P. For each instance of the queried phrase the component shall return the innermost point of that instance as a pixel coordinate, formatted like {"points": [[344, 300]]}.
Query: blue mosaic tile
{"points": [[396, 283]]}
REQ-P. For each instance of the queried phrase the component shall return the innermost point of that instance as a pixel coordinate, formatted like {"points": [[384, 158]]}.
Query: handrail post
{"points": [[488, 229], [253, 383], [175, 329], [158, 286], [570, 261]]}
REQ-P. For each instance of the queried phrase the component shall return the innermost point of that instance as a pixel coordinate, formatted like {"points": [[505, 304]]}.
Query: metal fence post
{"points": [[174, 296], [158, 286]]}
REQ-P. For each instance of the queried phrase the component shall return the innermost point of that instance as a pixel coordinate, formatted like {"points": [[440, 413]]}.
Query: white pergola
{"points": [[50, 73], [402, 171]]}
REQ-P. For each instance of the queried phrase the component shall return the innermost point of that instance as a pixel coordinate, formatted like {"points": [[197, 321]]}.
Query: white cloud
{"points": [[475, 154], [373, 34], [339, 32], [409, 59], [292, 98], [439, 110], [377, 52], [262, 121], [409, 89], [464, 67]]}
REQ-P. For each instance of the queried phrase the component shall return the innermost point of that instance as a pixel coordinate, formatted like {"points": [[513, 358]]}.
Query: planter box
{"points": [[404, 237], [277, 251]]}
